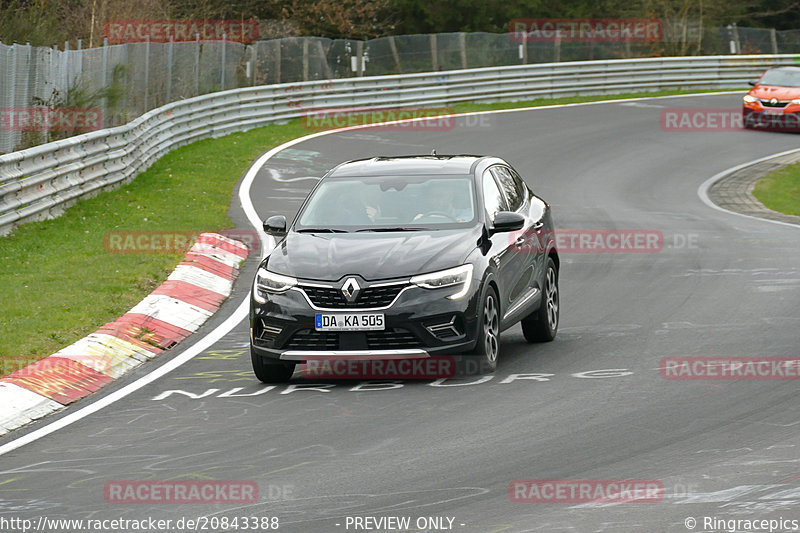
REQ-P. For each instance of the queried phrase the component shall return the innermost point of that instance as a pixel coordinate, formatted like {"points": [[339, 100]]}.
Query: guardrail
{"points": [[41, 182]]}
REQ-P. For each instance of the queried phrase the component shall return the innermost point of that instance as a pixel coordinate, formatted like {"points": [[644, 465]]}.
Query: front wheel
{"points": [[488, 345], [542, 324], [270, 373]]}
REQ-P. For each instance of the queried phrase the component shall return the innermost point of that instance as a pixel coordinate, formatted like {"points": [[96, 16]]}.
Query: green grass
{"points": [[59, 284], [780, 190]]}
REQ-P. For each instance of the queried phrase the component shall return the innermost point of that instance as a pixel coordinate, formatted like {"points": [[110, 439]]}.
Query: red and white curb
{"points": [[172, 312]]}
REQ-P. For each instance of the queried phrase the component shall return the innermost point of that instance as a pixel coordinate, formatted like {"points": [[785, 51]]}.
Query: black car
{"points": [[406, 257]]}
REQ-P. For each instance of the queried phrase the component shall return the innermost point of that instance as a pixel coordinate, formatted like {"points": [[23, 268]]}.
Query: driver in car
{"points": [[449, 203]]}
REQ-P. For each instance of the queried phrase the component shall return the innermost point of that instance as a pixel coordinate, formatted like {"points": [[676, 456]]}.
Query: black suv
{"points": [[406, 257]]}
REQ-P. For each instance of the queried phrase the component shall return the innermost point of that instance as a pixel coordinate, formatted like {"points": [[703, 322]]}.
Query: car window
{"points": [[492, 197], [513, 193], [390, 201], [781, 77], [523, 189]]}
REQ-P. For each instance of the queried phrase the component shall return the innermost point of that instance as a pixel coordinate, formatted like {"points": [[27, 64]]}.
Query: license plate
{"points": [[349, 322], [773, 111]]}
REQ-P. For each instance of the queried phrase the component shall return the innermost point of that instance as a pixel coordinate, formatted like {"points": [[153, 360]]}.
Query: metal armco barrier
{"points": [[40, 182]]}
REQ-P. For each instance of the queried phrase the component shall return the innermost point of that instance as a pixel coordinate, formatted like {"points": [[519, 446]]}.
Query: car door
{"points": [[523, 259], [495, 201]]}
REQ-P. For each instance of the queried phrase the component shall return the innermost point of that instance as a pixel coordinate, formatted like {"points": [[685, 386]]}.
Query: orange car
{"points": [[774, 100]]}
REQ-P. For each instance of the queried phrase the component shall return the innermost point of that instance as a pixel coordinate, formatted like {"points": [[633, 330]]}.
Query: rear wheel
{"points": [[488, 345], [542, 324], [270, 372]]}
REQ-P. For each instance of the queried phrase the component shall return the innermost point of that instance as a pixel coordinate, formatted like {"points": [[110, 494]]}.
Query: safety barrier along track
{"points": [[40, 182], [178, 307]]}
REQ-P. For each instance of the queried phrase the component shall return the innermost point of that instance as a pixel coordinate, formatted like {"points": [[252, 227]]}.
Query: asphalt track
{"points": [[597, 407]]}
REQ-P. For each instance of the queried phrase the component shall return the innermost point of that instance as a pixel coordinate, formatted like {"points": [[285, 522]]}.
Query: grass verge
{"points": [[59, 283], [780, 190]]}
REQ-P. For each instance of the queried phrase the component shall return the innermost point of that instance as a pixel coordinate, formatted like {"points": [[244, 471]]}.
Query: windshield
{"points": [[781, 77], [390, 203]]}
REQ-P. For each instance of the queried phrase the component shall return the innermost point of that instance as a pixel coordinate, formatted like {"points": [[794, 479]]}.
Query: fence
{"points": [[127, 80], [40, 182]]}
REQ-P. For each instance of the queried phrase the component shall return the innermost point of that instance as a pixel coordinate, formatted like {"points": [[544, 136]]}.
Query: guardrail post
{"points": [[774, 38], [733, 34], [196, 64], [557, 48], [222, 74], [66, 62], [146, 73], [254, 70], [105, 78], [169, 68], [523, 48], [434, 53], [395, 55], [462, 44], [359, 58], [305, 58], [277, 60]]}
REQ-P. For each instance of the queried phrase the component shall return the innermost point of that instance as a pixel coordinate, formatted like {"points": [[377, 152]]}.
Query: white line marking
{"points": [[242, 310], [702, 191]]}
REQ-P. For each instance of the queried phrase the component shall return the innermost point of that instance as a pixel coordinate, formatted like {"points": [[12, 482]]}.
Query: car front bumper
{"points": [[774, 118], [419, 323]]}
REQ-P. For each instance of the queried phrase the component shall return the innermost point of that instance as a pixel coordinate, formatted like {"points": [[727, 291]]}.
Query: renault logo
{"points": [[773, 101], [350, 289]]}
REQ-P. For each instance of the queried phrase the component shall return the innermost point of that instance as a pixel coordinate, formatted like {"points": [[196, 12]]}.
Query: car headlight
{"points": [[271, 282], [796, 101], [749, 99], [451, 277]]}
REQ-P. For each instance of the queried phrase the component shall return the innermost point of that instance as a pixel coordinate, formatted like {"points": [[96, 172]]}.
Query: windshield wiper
{"points": [[321, 230], [399, 228]]}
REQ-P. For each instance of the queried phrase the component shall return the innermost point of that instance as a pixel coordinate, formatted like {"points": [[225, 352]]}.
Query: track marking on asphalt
{"points": [[383, 384], [702, 191], [242, 310]]}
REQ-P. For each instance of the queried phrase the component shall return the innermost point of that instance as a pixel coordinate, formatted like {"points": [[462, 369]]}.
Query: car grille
{"points": [[309, 339], [779, 103], [332, 298], [393, 338], [396, 338]]}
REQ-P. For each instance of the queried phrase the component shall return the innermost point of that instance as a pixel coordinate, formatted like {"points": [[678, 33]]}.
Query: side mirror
{"points": [[507, 221], [752, 83], [276, 226]]}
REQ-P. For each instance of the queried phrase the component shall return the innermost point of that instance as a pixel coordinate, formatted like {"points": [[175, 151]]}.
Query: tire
{"points": [[270, 373], [542, 324], [488, 346]]}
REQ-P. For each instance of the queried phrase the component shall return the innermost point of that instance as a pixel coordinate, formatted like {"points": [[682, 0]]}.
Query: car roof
{"points": [[461, 164]]}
